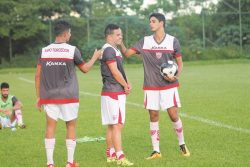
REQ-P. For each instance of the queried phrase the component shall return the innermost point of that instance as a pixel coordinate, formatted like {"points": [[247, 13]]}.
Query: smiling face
{"points": [[117, 36]]}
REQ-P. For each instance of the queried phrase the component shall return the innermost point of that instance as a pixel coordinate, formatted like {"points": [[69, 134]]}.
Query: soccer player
{"points": [[57, 88], [113, 96], [159, 92], [10, 109]]}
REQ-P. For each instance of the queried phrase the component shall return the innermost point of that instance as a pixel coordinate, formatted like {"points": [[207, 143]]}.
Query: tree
{"points": [[24, 19]]}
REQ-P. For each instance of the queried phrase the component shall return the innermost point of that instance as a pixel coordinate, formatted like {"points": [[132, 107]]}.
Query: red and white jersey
{"points": [[58, 84], [110, 55], [154, 55]]}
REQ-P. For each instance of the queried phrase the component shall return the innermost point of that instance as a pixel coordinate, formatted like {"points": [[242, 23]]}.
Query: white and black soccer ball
{"points": [[169, 69]]}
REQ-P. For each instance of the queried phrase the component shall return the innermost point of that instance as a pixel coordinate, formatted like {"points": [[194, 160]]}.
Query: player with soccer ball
{"points": [[159, 53]]}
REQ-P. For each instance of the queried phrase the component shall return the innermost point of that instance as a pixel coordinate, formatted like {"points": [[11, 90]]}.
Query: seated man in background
{"points": [[10, 109]]}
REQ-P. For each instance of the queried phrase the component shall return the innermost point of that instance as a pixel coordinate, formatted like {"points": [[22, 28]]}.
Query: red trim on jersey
{"points": [[64, 59], [134, 49], [58, 101], [178, 55], [161, 87], [110, 61], [113, 95], [79, 65], [120, 117], [154, 50]]}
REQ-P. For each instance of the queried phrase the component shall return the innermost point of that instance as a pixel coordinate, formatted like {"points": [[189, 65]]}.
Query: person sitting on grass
{"points": [[10, 109]]}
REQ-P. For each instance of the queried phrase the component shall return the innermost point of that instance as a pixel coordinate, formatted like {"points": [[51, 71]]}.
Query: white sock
{"points": [[49, 146], [13, 124], [110, 152], [19, 117], [179, 131], [120, 154], [71, 145], [155, 135]]}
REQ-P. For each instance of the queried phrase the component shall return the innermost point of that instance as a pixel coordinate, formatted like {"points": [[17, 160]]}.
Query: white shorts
{"points": [[161, 99], [5, 122], [113, 110], [65, 112]]}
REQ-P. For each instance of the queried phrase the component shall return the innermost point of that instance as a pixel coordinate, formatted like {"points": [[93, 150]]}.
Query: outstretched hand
{"points": [[98, 53]]}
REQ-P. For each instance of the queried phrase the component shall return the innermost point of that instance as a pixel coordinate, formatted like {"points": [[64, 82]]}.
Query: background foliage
{"points": [[212, 33]]}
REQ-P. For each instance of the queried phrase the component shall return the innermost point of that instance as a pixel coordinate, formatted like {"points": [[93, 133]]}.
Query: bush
{"points": [[213, 53]]}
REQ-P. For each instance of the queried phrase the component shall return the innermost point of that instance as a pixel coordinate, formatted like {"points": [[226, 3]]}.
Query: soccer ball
{"points": [[169, 69]]}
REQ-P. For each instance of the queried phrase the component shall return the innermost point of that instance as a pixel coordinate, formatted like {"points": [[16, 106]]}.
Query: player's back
{"points": [[58, 76]]}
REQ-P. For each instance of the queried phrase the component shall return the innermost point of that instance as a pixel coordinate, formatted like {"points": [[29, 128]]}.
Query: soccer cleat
{"points": [[154, 155], [124, 162], [1, 126], [74, 164], [22, 126], [50, 165], [184, 150], [111, 159]]}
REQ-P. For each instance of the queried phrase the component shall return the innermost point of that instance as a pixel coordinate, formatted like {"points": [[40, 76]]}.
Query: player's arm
{"points": [[37, 85], [127, 52], [87, 66], [118, 77], [180, 66]]}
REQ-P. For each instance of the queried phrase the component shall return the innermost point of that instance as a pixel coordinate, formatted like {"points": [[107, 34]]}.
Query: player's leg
{"points": [[50, 139], [110, 151], [13, 121], [177, 125], [172, 104], [117, 141], [69, 113], [71, 142], [152, 103], [19, 117], [155, 134]]}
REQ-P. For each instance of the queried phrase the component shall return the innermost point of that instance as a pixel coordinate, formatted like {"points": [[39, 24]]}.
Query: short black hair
{"points": [[160, 17], [110, 29], [4, 85], [60, 27]]}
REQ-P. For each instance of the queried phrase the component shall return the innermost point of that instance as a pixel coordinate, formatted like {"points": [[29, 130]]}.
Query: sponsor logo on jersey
{"points": [[57, 63], [159, 47]]}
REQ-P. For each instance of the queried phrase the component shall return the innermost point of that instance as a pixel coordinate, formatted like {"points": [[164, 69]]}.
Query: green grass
{"points": [[217, 91]]}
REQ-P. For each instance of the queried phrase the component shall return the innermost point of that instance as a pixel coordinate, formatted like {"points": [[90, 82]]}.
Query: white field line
{"points": [[196, 118]]}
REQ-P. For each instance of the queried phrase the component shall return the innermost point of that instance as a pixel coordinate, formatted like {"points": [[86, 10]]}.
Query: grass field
{"points": [[215, 110]]}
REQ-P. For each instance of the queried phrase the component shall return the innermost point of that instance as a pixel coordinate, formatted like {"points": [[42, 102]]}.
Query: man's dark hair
{"points": [[110, 29], [160, 17], [4, 85], [60, 27]]}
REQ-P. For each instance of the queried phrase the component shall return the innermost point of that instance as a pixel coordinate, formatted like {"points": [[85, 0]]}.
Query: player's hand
{"points": [[38, 104], [98, 54], [171, 79], [8, 112], [127, 89]]}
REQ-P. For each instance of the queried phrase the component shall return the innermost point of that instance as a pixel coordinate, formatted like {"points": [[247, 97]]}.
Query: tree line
{"points": [[26, 25]]}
